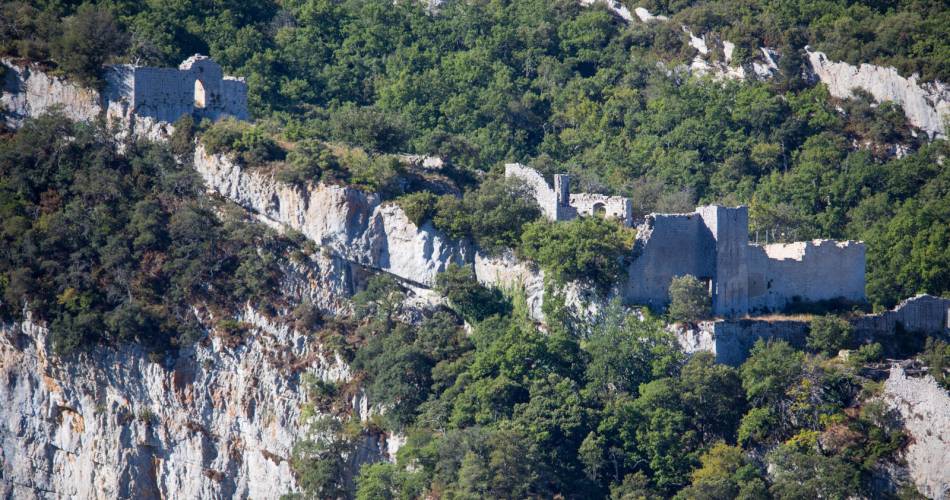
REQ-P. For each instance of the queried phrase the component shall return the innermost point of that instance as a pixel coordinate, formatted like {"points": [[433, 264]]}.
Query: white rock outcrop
{"points": [[927, 105], [615, 6], [925, 409], [220, 421], [29, 92], [350, 223]]}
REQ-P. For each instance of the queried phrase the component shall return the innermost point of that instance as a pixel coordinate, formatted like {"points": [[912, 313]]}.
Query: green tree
{"points": [[471, 299], [626, 352], [588, 249], [90, 38], [771, 369], [828, 334], [689, 299]]}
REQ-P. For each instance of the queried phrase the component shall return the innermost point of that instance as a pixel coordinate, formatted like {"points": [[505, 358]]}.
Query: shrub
{"points": [[828, 334], [379, 173], [472, 300], [493, 215], [588, 249], [249, 143], [868, 353], [689, 299], [182, 139], [307, 163], [369, 128], [419, 206], [756, 426], [936, 356]]}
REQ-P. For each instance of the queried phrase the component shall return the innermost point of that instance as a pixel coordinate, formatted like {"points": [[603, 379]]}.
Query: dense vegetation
{"points": [[569, 88], [618, 411], [113, 247], [110, 247]]}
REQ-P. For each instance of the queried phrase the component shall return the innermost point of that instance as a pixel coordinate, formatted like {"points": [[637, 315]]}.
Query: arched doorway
{"points": [[600, 210], [200, 101]]}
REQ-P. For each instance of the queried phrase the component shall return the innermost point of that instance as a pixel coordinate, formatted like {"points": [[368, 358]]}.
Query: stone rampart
{"points": [[806, 271], [668, 245], [923, 313], [143, 101], [553, 201], [614, 207], [731, 341]]}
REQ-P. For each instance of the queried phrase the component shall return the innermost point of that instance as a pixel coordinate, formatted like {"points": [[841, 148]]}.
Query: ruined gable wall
{"points": [[616, 207], [164, 94], [668, 245], [545, 196], [234, 98], [167, 94], [810, 270]]}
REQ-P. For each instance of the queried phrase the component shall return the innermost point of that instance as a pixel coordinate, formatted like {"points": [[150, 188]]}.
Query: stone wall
{"points": [[167, 94], [923, 313], [141, 101], [668, 245], [808, 271], [712, 244], [553, 201], [615, 207], [730, 228], [731, 341]]}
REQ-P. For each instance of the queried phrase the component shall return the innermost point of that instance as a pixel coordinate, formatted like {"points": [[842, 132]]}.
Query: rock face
{"points": [[925, 409], [29, 92], [926, 105], [350, 223], [219, 421]]}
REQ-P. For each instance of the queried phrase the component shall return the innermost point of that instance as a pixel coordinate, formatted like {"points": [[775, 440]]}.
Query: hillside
{"points": [[316, 271]]}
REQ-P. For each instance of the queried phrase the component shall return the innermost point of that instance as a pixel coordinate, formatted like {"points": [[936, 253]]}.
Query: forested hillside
{"points": [[569, 88], [111, 243]]}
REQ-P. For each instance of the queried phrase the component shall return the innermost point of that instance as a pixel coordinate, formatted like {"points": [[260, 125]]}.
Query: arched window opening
{"points": [[600, 210], [200, 101]]}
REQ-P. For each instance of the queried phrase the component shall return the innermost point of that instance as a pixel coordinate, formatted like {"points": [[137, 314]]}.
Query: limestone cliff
{"points": [[350, 223], [218, 421], [927, 105], [925, 409]]}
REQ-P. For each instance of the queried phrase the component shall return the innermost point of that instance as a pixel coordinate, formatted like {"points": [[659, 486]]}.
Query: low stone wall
{"points": [[731, 341], [923, 313]]}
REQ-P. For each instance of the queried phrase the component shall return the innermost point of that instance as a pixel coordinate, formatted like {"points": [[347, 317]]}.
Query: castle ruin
{"points": [[198, 87], [712, 244], [558, 204]]}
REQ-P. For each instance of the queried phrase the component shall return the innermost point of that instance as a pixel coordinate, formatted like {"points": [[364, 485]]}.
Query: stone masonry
{"points": [[558, 204], [198, 87], [712, 244], [142, 100]]}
